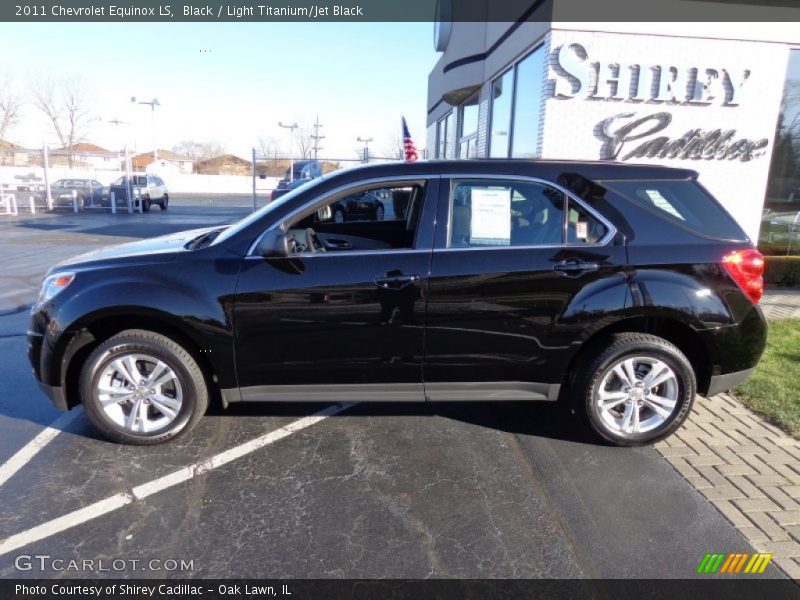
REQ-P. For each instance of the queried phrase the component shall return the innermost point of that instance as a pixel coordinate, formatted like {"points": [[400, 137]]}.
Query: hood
{"points": [[163, 245]]}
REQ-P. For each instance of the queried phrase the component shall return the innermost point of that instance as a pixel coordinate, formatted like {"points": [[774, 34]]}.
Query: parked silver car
{"points": [[148, 189]]}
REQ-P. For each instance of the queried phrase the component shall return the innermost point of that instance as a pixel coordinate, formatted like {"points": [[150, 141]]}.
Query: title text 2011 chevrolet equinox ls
{"points": [[623, 289]]}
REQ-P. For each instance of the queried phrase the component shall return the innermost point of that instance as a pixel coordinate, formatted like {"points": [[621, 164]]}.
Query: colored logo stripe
{"points": [[733, 563]]}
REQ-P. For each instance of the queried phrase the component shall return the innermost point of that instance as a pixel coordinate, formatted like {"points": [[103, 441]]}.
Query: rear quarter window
{"points": [[684, 203]]}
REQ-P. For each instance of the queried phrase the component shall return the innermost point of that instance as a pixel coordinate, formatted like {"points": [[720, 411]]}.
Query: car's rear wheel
{"points": [[140, 387], [379, 212], [146, 204], [636, 389], [164, 202]]}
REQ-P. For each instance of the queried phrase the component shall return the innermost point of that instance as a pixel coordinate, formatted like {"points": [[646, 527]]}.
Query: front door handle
{"points": [[395, 282], [574, 268]]}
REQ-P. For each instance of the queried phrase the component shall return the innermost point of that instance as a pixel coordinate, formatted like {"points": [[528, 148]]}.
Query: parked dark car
{"points": [[88, 192], [366, 205], [147, 189], [619, 290], [278, 192]]}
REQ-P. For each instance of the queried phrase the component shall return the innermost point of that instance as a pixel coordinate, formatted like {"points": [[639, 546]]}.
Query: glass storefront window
{"points": [[527, 103], [441, 135], [450, 123], [780, 223], [502, 92], [468, 140]]}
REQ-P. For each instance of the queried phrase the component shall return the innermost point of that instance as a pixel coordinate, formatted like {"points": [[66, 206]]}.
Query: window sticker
{"points": [[490, 224], [658, 199], [582, 230]]}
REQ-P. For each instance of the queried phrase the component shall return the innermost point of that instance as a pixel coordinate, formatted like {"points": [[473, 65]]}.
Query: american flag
{"points": [[410, 150]]}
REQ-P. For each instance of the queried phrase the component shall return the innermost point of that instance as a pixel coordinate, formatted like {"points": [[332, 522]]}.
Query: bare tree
{"points": [[198, 151], [211, 149], [304, 142], [67, 105], [395, 147], [10, 104], [269, 148], [189, 148], [273, 157]]}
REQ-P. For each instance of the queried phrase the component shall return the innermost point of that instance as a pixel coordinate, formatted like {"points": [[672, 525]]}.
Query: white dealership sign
{"points": [[706, 104]]}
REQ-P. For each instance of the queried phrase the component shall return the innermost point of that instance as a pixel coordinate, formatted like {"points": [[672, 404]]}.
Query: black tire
{"points": [[340, 217], [164, 202], [379, 212], [589, 372], [145, 204], [175, 356]]}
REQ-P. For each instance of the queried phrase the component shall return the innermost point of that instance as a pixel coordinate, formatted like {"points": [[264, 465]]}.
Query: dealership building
{"points": [[720, 98]]}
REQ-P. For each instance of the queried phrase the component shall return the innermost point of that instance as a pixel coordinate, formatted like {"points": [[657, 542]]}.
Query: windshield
{"points": [[265, 210]]}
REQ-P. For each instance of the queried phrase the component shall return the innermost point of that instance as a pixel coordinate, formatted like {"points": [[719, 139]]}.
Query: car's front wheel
{"points": [[636, 389], [140, 387]]}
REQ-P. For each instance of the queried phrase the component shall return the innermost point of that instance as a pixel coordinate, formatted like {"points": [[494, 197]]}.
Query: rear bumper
{"points": [[722, 383]]}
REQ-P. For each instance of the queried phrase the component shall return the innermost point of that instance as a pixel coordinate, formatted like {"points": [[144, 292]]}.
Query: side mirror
{"points": [[274, 244], [325, 213]]}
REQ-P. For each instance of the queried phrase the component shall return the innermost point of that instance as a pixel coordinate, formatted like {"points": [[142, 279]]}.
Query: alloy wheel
{"points": [[139, 392], [637, 394]]}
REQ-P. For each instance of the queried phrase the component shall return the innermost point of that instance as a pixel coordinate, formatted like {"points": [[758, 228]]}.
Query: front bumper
{"points": [[56, 395], [722, 383], [39, 349]]}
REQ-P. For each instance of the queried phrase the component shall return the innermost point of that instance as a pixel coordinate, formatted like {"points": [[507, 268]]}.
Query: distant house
{"points": [[12, 155], [168, 161], [227, 164], [85, 154]]}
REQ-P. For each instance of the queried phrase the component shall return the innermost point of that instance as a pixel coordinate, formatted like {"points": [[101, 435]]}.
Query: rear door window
{"points": [[499, 213], [583, 227], [682, 202]]}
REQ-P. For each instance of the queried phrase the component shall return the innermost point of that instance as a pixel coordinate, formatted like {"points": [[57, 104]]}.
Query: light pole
{"points": [[291, 129], [366, 142], [152, 104], [116, 123]]}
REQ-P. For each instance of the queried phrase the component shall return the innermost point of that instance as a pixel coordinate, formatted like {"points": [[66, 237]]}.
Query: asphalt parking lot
{"points": [[387, 490]]}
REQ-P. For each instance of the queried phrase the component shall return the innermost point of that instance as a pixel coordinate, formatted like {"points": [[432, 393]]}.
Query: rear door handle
{"points": [[396, 282], [573, 267]]}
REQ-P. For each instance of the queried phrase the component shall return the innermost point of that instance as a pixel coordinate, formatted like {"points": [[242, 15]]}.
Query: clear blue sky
{"points": [[230, 82]]}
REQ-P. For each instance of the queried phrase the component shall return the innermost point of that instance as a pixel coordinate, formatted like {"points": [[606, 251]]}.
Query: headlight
{"points": [[53, 284]]}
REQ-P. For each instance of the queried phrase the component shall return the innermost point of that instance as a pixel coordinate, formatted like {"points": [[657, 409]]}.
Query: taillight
{"points": [[746, 267]]}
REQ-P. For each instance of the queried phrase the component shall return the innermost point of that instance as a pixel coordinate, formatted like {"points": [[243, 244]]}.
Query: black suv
{"points": [[624, 290]]}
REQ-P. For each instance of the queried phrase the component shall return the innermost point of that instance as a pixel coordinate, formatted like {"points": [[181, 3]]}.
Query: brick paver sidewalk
{"points": [[781, 304], [747, 468]]}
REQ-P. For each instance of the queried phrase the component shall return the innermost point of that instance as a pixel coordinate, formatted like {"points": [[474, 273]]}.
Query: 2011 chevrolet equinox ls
{"points": [[623, 289]]}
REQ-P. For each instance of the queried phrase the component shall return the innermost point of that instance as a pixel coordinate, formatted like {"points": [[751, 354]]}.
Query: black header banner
{"points": [[398, 10], [744, 588]]}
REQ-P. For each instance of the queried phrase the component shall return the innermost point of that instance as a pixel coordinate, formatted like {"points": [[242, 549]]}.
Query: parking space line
{"points": [[24, 455], [144, 490], [65, 522]]}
